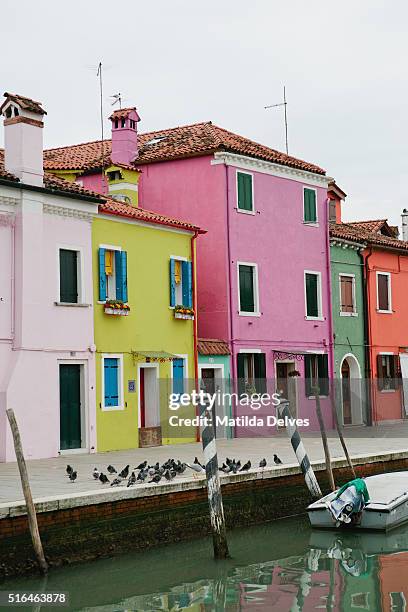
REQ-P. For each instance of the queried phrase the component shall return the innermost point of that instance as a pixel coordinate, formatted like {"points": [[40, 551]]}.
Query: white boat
{"points": [[387, 508]]}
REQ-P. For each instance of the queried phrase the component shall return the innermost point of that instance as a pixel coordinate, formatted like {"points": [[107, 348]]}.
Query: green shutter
{"points": [[68, 276], [323, 373], [260, 372], [241, 373], [244, 186], [246, 289], [309, 206], [312, 298], [308, 375]]}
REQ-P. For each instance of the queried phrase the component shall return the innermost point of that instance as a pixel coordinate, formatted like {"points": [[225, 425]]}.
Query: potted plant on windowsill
{"points": [[183, 312], [116, 307]]}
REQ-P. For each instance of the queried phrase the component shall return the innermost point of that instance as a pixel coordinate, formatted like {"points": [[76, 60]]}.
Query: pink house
{"points": [[263, 266], [47, 370]]}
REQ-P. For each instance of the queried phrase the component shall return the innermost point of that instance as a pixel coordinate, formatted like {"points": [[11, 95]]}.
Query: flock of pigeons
{"points": [[168, 470]]}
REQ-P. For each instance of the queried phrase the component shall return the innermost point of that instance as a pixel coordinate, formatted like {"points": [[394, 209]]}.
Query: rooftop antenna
{"points": [[284, 104], [99, 74], [117, 99]]}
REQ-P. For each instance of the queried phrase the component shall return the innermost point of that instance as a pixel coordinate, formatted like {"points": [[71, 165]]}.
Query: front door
{"points": [[208, 383], [286, 384], [70, 406], [346, 392]]}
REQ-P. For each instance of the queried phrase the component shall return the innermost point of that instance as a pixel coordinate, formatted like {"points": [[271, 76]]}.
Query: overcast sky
{"points": [[185, 61]]}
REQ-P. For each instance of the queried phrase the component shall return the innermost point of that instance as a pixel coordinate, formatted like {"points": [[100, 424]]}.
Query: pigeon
{"points": [[73, 476], [141, 466], [167, 475], [142, 476], [224, 468], [196, 461], [103, 478], [111, 469], [276, 460], [197, 468], [96, 473], [132, 479], [116, 482], [246, 467], [125, 472], [262, 463], [69, 470], [156, 478]]}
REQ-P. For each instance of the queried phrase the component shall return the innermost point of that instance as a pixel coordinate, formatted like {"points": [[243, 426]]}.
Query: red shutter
{"points": [[346, 294]]}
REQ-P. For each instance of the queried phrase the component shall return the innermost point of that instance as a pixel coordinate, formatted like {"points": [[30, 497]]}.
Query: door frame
{"points": [[352, 364], [139, 367], [218, 368], [84, 398], [287, 361]]}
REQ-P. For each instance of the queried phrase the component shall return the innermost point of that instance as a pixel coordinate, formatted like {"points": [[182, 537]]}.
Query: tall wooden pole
{"points": [[327, 457], [217, 518], [32, 517], [340, 433]]}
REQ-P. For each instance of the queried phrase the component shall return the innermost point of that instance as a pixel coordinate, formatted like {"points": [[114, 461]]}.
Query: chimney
{"points": [[404, 218], [124, 135], [23, 138]]}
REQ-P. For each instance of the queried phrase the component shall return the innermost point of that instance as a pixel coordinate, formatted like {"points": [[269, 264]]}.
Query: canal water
{"points": [[282, 566]]}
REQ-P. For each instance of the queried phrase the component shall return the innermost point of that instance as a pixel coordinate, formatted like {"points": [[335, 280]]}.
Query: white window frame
{"points": [[109, 247], [354, 313], [80, 275], [320, 317], [310, 223], [178, 258], [256, 313], [377, 274], [387, 354], [119, 357], [240, 210]]}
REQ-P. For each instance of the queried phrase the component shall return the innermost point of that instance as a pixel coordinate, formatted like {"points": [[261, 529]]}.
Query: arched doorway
{"points": [[351, 391]]}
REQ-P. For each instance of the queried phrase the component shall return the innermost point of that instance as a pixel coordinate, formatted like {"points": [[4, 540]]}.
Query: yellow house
{"points": [[145, 327]]}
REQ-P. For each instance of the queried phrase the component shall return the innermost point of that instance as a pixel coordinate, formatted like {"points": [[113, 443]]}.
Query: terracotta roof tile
{"points": [[121, 209], [174, 143], [360, 232], [213, 347], [122, 113], [25, 103]]}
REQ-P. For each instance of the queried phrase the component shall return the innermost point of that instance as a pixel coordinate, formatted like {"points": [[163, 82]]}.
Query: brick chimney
{"points": [[404, 218], [124, 135], [23, 138]]}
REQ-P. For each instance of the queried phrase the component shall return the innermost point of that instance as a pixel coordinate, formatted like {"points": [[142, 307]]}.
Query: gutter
{"points": [[367, 333], [50, 191], [195, 324], [329, 286], [230, 305]]}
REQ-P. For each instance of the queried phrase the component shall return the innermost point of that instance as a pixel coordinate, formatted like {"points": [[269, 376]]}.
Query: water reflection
{"points": [[281, 567]]}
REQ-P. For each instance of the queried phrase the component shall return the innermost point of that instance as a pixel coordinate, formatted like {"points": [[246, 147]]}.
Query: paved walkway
{"points": [[48, 478]]}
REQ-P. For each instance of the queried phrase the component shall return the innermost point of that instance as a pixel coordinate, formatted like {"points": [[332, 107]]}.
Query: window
{"points": [[251, 370], [309, 205], [313, 295], [397, 602], [248, 288], [360, 600], [387, 371], [123, 122], [316, 366], [181, 285], [112, 395], [332, 211], [347, 294], [112, 275], [178, 375], [245, 196], [384, 292], [68, 276]]}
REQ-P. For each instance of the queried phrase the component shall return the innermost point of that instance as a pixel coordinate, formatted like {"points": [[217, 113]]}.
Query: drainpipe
{"points": [[229, 270], [367, 333], [329, 285], [195, 340]]}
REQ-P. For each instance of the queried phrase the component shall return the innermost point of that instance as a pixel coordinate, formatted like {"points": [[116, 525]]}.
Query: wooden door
{"points": [[70, 406], [346, 392]]}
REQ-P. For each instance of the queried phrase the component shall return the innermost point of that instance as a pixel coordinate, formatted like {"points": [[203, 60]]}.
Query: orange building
{"points": [[385, 263], [393, 579]]}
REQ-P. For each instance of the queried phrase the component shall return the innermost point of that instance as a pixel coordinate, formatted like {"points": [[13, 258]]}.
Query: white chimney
{"points": [[404, 218], [23, 138]]}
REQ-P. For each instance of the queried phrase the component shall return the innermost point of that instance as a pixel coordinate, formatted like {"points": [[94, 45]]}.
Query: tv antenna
{"points": [[99, 74], [117, 99], [284, 104]]}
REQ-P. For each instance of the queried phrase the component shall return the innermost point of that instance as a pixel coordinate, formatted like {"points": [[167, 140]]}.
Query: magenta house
{"points": [[263, 266]]}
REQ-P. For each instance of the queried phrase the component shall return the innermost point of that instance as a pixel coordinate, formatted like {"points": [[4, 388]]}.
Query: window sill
{"points": [[73, 304], [388, 390], [348, 314], [314, 318], [384, 311], [112, 408], [311, 223], [246, 212], [312, 397], [249, 314]]}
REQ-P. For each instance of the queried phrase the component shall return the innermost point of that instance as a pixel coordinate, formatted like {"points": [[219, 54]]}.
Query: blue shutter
{"points": [[121, 275], [111, 383], [172, 283], [178, 375], [187, 283], [102, 276]]}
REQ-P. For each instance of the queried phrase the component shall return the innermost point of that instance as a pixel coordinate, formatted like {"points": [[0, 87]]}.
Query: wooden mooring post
{"points": [[316, 391], [32, 517], [219, 533]]}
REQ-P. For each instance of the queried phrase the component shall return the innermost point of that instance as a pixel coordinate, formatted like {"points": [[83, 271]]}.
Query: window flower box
{"points": [[183, 312], [116, 308]]}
